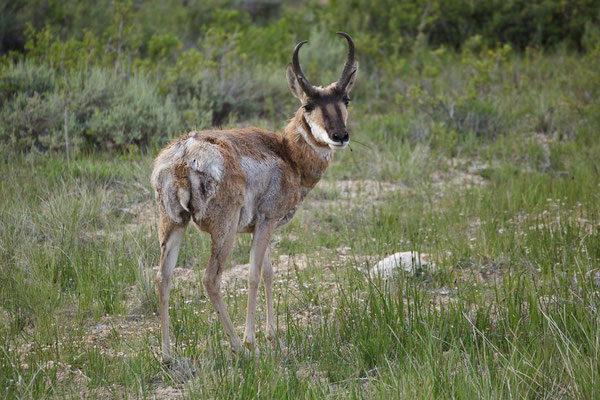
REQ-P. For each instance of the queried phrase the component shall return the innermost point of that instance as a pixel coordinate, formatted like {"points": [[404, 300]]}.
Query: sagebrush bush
{"points": [[26, 78], [30, 121], [123, 112], [103, 111], [109, 111], [216, 93], [30, 109]]}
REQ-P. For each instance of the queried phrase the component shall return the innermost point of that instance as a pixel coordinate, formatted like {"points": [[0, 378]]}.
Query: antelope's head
{"points": [[324, 110]]}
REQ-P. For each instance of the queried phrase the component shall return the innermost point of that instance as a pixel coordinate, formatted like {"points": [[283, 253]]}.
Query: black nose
{"points": [[341, 136]]}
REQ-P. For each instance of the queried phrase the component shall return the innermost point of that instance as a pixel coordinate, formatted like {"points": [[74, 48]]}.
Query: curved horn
{"points": [[349, 67], [304, 84]]}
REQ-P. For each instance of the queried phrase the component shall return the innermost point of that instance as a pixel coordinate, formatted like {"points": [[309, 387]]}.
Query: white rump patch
{"points": [[206, 168]]}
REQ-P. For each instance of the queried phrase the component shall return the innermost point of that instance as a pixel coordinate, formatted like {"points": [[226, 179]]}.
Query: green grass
{"points": [[512, 221]]}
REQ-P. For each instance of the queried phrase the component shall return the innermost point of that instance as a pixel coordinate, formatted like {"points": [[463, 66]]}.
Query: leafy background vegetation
{"points": [[474, 139]]}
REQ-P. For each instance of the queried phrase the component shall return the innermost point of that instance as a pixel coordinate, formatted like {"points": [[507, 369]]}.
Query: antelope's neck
{"points": [[310, 158]]}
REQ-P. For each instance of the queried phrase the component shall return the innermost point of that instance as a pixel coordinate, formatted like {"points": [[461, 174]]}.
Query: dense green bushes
{"points": [[103, 111], [138, 79], [265, 26]]}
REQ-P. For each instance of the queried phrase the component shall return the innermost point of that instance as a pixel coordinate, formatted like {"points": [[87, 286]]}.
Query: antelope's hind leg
{"points": [[170, 236]]}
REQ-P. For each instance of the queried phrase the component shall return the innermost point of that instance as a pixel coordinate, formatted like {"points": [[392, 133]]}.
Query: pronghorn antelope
{"points": [[246, 181]]}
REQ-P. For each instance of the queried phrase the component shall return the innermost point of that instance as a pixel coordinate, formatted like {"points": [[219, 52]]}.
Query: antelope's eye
{"points": [[308, 107], [346, 101]]}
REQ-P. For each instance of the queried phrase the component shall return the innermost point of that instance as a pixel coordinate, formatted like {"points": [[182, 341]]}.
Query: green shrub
{"points": [[217, 86], [112, 113], [103, 111], [481, 118], [30, 121], [25, 78]]}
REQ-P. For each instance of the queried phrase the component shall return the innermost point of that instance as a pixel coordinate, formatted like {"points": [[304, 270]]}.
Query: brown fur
{"points": [[181, 175]]}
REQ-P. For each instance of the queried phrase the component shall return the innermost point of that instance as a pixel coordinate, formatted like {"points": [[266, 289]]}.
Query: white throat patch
{"points": [[322, 152], [318, 132]]}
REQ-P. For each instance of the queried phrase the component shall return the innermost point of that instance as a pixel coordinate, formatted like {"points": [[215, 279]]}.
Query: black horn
{"points": [[349, 67], [304, 83]]}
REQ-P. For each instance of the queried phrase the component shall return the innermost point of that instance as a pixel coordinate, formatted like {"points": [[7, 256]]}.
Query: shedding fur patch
{"points": [[186, 176]]}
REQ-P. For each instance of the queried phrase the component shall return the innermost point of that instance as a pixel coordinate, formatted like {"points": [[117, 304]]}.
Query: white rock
{"points": [[409, 261]]}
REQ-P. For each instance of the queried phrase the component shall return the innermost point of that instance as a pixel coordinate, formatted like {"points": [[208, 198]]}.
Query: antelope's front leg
{"points": [[267, 279], [221, 247], [260, 243]]}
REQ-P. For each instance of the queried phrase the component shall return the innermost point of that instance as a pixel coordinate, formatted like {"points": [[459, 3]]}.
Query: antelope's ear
{"points": [[293, 84], [353, 73]]}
